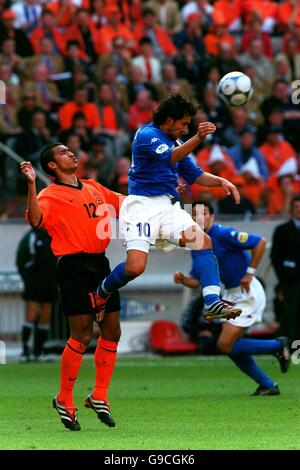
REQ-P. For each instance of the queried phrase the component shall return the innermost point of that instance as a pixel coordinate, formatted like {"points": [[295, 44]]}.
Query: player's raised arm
{"points": [[33, 207], [183, 150], [207, 179]]}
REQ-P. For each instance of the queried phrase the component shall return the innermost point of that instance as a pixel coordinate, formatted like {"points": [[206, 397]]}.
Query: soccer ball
{"points": [[235, 88]]}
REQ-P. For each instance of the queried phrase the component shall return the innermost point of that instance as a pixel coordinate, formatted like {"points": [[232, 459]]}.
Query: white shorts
{"points": [[146, 221], [252, 303]]}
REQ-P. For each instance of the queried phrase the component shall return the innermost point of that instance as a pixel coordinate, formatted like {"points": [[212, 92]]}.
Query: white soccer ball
{"points": [[235, 88]]}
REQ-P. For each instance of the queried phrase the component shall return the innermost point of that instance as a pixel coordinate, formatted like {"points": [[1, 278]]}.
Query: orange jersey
{"points": [[78, 218]]}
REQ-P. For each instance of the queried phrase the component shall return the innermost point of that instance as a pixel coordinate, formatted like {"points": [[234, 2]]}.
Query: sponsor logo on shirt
{"points": [[154, 139], [243, 237], [161, 148]]}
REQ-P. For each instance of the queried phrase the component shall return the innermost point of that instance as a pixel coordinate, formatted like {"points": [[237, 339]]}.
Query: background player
{"points": [[152, 211], [37, 267], [76, 216], [237, 271]]}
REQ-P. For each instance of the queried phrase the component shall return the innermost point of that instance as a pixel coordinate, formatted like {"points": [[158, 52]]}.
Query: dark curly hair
{"points": [[175, 106]]}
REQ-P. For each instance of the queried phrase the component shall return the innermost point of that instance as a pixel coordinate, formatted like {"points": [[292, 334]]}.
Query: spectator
{"points": [[45, 89], [247, 149], [80, 104], [36, 265], [137, 83], [275, 149], [48, 28], [160, 38], [27, 14], [245, 207], [285, 257], [119, 57], [170, 82], [28, 106], [113, 28], [188, 64], [7, 30], [168, 15], [141, 111], [79, 127], [32, 141], [84, 31], [149, 64], [192, 33]]}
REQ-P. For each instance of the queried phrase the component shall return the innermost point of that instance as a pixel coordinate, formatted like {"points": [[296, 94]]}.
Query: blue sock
{"points": [[246, 364], [206, 270], [256, 346], [115, 280]]}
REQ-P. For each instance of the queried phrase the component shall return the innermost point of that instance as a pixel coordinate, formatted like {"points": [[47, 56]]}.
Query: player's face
{"points": [[178, 127], [203, 217], [64, 159], [296, 210]]}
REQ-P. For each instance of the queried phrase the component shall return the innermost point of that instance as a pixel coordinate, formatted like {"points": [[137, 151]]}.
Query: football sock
{"points": [[256, 346], [26, 332], [206, 270], [40, 337], [70, 364], [115, 280], [246, 364], [105, 358]]}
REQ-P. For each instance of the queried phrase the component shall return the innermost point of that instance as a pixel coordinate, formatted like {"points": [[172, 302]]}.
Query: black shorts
{"points": [[38, 288], [78, 276]]}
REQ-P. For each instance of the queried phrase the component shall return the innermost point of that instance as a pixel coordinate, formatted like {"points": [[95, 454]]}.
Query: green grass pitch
{"points": [[171, 403]]}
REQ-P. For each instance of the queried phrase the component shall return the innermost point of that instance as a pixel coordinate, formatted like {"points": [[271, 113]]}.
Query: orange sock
{"points": [[105, 358], [70, 364]]}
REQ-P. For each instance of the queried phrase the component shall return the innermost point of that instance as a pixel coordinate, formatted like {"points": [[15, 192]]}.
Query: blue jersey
{"points": [[151, 173], [230, 247]]}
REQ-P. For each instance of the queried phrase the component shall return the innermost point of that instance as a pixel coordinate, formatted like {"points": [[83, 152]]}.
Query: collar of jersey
{"points": [[79, 186]]}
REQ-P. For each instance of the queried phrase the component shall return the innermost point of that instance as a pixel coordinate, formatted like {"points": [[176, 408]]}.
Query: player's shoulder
{"points": [[148, 131]]}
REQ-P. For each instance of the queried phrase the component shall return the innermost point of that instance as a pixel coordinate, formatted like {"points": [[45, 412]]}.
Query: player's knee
{"points": [[85, 336], [112, 335], [135, 270], [224, 346]]}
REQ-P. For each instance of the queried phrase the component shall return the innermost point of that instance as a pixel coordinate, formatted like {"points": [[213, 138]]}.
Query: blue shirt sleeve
{"points": [[233, 239], [149, 144], [188, 170]]}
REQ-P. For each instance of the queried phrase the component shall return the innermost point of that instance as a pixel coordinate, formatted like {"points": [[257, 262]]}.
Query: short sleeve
{"points": [[188, 170], [239, 240]]}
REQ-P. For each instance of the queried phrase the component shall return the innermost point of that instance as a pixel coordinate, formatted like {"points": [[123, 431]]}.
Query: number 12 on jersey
{"points": [[144, 229]]}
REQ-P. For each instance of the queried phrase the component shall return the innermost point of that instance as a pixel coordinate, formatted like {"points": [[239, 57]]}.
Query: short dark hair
{"points": [[47, 156], [206, 204], [175, 106]]}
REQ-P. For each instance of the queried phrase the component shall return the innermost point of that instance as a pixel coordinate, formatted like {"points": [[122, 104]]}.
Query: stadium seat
{"points": [[167, 338]]}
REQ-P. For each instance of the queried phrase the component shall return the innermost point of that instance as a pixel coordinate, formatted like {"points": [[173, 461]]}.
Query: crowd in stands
{"points": [[89, 73]]}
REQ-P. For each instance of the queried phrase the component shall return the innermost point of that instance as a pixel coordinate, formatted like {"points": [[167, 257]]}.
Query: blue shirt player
{"points": [[152, 212], [237, 271]]}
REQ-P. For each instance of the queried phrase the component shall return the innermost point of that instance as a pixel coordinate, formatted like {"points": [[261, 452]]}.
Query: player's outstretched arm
{"points": [[33, 207], [207, 179], [180, 152]]}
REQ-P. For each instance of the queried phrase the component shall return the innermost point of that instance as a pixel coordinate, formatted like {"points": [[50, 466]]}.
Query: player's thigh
{"points": [[140, 219], [251, 303], [229, 335], [78, 277], [176, 222]]}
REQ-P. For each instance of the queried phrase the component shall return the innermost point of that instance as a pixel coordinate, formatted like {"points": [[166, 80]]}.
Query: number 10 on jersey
{"points": [[144, 229]]}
